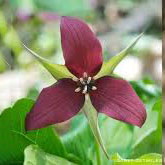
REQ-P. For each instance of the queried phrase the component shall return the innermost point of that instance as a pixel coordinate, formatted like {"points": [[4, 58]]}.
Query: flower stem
{"points": [[92, 117], [98, 156]]}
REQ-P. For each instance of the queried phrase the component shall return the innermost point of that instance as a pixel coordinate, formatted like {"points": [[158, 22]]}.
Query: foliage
{"points": [[15, 139], [78, 144], [34, 155]]}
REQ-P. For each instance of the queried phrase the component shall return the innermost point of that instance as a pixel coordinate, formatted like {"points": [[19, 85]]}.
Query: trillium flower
{"points": [[109, 95]]}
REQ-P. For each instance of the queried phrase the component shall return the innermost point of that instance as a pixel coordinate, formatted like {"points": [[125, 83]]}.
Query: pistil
{"points": [[85, 84], [85, 89]]}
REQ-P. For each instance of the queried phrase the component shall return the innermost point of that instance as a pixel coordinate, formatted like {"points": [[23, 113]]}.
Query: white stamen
{"points": [[94, 88], [94, 78], [85, 74], [78, 89], [89, 80], [85, 89], [82, 80], [75, 79]]}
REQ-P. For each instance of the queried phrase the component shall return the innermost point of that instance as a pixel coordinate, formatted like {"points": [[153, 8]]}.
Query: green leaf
{"points": [[79, 139], [149, 138], [158, 108], [108, 67], [34, 155], [148, 159], [92, 117], [113, 129], [57, 71], [149, 90], [14, 139]]}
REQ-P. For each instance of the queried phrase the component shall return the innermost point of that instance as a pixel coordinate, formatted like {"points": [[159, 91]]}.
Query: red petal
{"points": [[117, 99], [55, 104], [82, 50]]}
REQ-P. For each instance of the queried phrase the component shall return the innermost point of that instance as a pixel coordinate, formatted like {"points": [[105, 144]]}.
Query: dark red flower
{"points": [[83, 57]]}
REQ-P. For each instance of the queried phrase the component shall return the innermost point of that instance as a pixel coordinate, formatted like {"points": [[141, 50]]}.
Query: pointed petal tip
{"points": [[67, 17], [64, 18], [144, 119]]}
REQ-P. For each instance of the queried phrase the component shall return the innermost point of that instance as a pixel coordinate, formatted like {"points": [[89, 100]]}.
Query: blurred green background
{"points": [[34, 22], [115, 22]]}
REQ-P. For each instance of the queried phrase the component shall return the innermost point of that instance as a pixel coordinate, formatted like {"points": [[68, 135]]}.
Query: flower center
{"points": [[85, 84]]}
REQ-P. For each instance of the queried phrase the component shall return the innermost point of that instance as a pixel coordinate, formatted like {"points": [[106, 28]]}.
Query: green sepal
{"points": [[92, 116], [57, 71], [108, 67]]}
